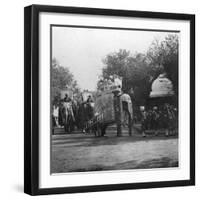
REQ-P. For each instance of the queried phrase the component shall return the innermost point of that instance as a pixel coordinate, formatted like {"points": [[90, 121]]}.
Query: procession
{"points": [[89, 113], [114, 105]]}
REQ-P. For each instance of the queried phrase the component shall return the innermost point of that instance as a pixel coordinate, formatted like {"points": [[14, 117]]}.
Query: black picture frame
{"points": [[31, 98]]}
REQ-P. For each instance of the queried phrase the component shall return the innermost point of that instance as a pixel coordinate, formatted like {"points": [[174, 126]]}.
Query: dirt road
{"points": [[78, 152]]}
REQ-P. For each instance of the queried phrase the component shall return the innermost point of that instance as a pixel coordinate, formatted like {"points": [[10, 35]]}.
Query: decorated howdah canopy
{"points": [[161, 87], [162, 91]]}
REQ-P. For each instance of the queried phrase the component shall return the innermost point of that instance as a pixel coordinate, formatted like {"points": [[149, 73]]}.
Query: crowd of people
{"points": [[159, 118], [70, 114]]}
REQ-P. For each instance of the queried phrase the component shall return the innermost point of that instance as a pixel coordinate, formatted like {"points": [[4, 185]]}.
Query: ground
{"points": [[78, 152]]}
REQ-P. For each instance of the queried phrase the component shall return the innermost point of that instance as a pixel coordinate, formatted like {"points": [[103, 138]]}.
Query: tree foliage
{"points": [[139, 70], [164, 55], [62, 78], [132, 68]]}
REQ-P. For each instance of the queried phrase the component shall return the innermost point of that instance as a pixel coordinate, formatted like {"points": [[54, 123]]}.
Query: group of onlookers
{"points": [[159, 118], [69, 114]]}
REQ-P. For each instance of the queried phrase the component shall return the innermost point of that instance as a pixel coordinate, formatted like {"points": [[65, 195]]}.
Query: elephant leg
{"points": [[98, 132], [129, 124], [127, 121], [103, 130], [65, 127]]}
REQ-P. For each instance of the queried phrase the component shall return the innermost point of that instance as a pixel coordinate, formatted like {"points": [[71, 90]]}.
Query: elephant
{"points": [[68, 117], [123, 116]]}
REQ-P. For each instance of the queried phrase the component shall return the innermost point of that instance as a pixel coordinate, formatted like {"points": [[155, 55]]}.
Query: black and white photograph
{"points": [[109, 99], [98, 100], [114, 97]]}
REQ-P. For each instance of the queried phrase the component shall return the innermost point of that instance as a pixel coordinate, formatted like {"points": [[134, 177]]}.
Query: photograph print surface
{"points": [[114, 99]]}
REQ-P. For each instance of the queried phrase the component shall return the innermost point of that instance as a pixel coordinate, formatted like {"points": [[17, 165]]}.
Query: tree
{"points": [[115, 63], [61, 78], [134, 70], [139, 70], [163, 56]]}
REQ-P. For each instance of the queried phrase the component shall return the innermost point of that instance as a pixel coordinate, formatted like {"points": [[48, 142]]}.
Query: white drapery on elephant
{"points": [[126, 110]]}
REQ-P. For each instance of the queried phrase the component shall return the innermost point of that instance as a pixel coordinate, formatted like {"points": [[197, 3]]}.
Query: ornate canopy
{"points": [[161, 87]]}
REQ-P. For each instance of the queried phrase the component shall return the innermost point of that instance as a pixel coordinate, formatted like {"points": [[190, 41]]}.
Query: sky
{"points": [[82, 49]]}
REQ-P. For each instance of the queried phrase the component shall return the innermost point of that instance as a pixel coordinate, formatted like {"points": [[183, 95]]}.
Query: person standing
{"points": [[89, 108], [61, 113], [144, 122], [154, 120], [55, 114]]}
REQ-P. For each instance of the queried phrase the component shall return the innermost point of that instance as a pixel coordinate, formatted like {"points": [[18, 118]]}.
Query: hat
{"points": [[142, 108]]}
